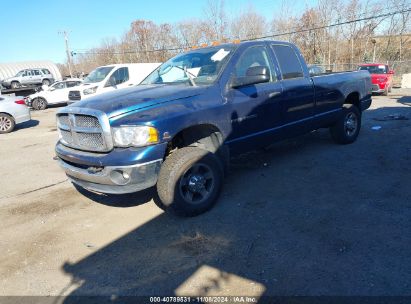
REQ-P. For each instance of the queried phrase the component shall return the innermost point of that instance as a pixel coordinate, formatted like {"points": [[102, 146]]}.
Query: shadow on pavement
{"points": [[305, 217]]}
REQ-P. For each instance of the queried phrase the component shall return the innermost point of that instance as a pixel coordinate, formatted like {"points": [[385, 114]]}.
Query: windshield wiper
{"points": [[190, 75]]}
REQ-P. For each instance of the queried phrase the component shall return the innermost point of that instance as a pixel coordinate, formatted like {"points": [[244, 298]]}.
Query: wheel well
{"points": [[8, 115], [206, 136], [353, 98]]}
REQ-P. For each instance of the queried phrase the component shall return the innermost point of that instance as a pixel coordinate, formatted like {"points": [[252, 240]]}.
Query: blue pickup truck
{"points": [[179, 127]]}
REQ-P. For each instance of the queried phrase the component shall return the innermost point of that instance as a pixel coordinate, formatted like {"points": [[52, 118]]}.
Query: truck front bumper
{"points": [[117, 172], [112, 179]]}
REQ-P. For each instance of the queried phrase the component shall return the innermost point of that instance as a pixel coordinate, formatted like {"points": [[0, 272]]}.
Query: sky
{"points": [[31, 30]]}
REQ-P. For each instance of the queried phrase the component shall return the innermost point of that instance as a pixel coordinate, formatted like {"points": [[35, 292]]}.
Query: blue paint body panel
{"points": [[247, 117]]}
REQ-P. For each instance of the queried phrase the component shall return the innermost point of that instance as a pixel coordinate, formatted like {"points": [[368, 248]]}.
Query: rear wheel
{"points": [[39, 103], [6, 123], [46, 82], [15, 85], [347, 127], [189, 182]]}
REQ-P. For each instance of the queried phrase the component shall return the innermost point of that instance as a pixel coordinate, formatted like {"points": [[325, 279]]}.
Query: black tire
{"points": [[189, 182], [347, 127], [7, 123], [45, 82], [39, 104], [15, 85]]}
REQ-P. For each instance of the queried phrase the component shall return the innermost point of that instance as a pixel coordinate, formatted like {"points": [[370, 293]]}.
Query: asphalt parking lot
{"points": [[305, 217]]}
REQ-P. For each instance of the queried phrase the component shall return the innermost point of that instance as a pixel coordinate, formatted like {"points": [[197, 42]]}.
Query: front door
{"points": [[119, 79], [255, 109]]}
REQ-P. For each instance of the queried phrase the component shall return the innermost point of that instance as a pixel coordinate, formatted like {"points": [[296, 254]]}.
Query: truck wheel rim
{"points": [[5, 123], [350, 124], [197, 184]]}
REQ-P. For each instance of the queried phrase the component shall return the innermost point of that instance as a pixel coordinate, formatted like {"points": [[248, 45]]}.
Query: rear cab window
{"points": [[288, 61]]}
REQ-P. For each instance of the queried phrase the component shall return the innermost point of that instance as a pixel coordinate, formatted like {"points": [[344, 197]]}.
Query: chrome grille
{"points": [[87, 121], [66, 136], [84, 129], [64, 120], [92, 141]]}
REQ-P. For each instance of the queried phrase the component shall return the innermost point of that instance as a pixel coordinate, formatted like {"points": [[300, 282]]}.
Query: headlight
{"points": [[136, 136], [90, 91]]}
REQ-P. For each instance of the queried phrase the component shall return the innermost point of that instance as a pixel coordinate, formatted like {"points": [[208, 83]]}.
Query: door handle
{"points": [[131, 84], [273, 94]]}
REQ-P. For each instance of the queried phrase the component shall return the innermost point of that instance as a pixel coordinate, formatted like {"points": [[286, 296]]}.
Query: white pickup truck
{"points": [[109, 78]]}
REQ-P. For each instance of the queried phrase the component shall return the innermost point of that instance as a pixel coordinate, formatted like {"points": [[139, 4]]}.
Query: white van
{"points": [[109, 78]]}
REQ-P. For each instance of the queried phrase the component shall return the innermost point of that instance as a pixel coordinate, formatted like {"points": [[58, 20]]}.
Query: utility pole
{"points": [[374, 42], [65, 34]]}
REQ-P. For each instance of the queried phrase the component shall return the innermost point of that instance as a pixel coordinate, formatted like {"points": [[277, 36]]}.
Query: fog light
{"points": [[120, 177]]}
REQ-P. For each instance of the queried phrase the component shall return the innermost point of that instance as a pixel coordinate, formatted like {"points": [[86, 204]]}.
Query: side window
{"points": [[45, 71], [252, 57], [121, 75], [28, 73], [36, 72], [60, 85], [290, 65], [71, 84]]}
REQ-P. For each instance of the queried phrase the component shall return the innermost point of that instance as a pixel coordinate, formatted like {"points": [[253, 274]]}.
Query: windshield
{"points": [[19, 73], [98, 75], [374, 69], [198, 67]]}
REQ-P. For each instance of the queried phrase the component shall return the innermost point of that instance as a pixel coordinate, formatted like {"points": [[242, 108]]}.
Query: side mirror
{"points": [[391, 72], [111, 82], [254, 75]]}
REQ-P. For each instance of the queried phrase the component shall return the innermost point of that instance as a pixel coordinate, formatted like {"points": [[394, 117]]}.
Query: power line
{"points": [[271, 35]]}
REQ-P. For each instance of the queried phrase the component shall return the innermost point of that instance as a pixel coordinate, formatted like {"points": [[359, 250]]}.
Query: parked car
{"points": [[381, 77], [29, 77], [177, 129], [111, 77], [314, 69], [13, 111], [57, 93]]}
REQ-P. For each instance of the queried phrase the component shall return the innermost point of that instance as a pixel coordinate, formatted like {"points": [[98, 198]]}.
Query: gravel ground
{"points": [[304, 217]]}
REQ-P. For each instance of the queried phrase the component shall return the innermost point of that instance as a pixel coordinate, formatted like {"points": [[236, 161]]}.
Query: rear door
{"points": [[297, 103], [36, 76]]}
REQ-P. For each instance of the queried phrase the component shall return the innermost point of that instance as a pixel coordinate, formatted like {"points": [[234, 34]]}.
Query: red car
{"points": [[381, 77]]}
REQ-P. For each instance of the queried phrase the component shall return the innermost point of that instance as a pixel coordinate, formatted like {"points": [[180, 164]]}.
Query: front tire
{"points": [[189, 182], [7, 123], [347, 127], [39, 104], [15, 85]]}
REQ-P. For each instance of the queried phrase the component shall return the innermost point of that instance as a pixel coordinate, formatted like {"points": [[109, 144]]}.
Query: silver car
{"points": [[13, 111], [29, 77]]}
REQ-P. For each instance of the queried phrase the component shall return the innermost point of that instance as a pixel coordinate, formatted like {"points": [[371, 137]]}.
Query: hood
{"points": [[131, 99]]}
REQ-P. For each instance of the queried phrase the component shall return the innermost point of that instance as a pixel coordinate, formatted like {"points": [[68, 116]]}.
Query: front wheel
{"points": [[15, 85], [6, 123], [189, 182], [347, 127]]}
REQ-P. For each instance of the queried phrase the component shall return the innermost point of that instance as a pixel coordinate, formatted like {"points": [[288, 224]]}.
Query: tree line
{"points": [[332, 32]]}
